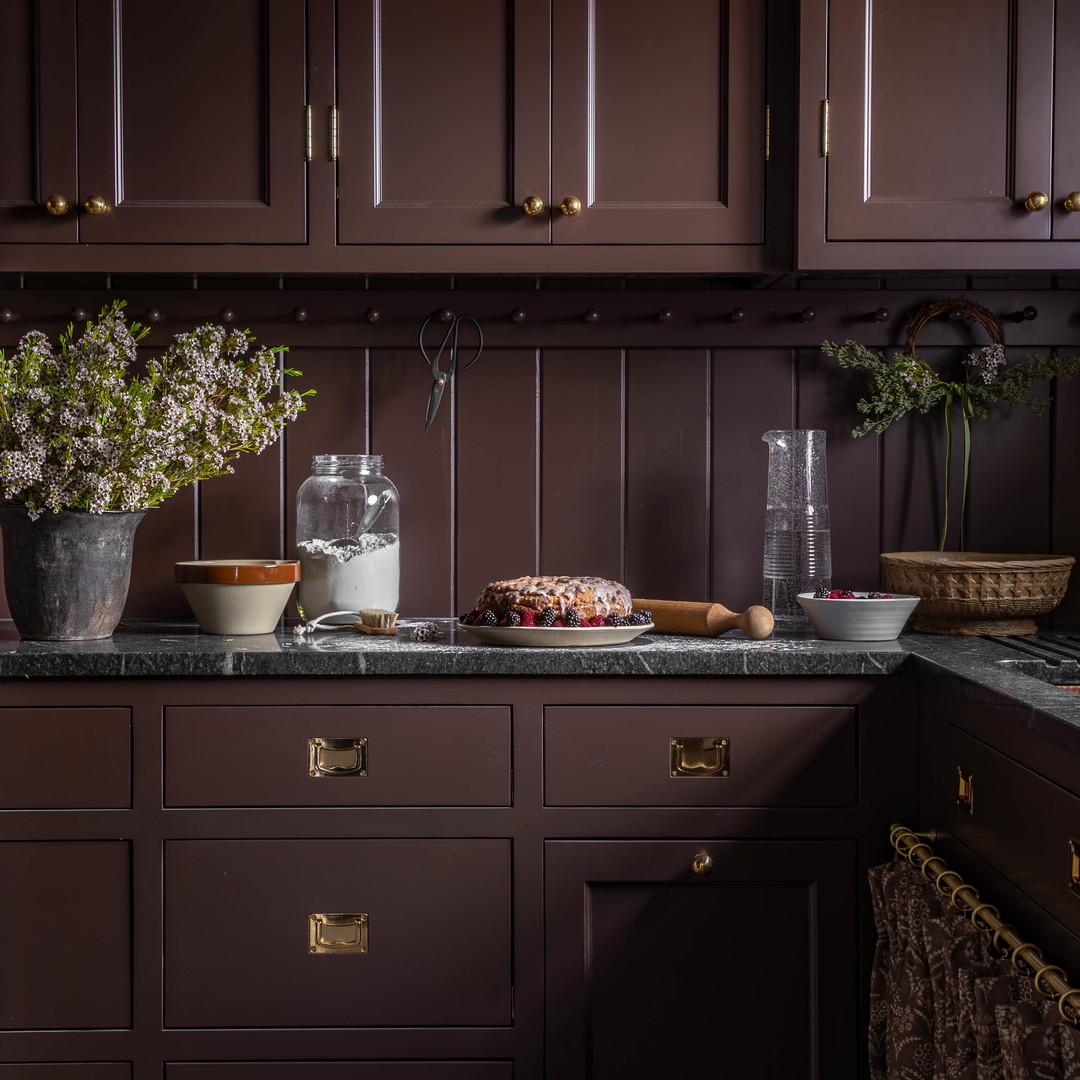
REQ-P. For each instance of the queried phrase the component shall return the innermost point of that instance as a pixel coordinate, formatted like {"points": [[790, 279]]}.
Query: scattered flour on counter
{"points": [[349, 577]]}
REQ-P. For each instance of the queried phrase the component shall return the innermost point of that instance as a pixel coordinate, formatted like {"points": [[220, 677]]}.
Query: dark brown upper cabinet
{"points": [[936, 135], [145, 124], [573, 122]]}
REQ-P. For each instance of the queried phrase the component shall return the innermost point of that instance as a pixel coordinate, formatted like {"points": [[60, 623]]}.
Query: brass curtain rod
{"points": [[1051, 981]]}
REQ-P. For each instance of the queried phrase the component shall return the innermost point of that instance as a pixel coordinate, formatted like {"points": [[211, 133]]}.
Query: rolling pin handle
{"points": [[756, 622]]}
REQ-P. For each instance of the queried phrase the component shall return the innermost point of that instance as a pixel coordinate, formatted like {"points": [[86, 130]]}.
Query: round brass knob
{"points": [[701, 864], [1037, 200], [570, 206], [96, 205], [533, 205], [57, 205], [1072, 202]]}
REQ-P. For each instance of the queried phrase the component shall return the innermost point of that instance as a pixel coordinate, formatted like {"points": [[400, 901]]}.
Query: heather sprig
{"points": [[78, 431], [905, 383]]}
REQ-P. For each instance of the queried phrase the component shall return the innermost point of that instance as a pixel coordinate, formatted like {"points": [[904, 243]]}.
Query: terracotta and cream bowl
{"points": [[238, 596]]}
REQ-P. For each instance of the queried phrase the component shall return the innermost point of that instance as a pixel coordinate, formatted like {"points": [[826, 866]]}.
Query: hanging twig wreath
{"points": [[906, 382]]}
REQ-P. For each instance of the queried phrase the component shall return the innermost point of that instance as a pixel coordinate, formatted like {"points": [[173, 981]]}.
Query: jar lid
{"points": [[238, 571], [348, 461]]}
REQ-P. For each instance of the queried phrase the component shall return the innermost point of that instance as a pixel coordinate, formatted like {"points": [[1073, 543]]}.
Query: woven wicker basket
{"points": [[976, 592]]}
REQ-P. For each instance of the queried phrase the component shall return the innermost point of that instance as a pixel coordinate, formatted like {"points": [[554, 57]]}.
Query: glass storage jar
{"points": [[347, 537]]}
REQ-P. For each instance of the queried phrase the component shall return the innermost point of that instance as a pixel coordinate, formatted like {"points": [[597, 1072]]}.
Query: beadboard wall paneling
{"points": [[627, 447]]}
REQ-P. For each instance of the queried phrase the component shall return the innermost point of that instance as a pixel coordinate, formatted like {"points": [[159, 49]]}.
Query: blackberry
{"points": [[639, 618], [548, 617], [488, 618], [468, 618], [573, 617], [875, 596], [821, 594], [615, 620], [513, 618]]}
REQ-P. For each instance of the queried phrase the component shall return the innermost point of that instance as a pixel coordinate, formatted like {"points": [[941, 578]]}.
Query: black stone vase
{"points": [[67, 574]]}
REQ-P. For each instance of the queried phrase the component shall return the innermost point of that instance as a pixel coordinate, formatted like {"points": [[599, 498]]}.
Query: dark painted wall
{"points": [[629, 447]]}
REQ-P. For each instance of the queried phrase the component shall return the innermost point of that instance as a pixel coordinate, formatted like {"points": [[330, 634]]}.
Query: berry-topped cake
{"points": [[554, 601]]}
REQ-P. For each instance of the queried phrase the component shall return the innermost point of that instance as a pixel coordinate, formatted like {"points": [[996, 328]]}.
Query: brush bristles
{"points": [[378, 617]]}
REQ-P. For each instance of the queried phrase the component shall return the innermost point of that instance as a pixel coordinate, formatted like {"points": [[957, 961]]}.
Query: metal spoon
{"points": [[371, 514]]}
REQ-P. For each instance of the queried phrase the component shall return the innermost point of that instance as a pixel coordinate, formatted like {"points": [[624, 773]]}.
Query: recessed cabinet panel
{"points": [[653, 756], [939, 134], [65, 935], [332, 933], [337, 1070], [658, 122], [191, 121], [65, 759], [1018, 822], [337, 756], [654, 970], [443, 121]]}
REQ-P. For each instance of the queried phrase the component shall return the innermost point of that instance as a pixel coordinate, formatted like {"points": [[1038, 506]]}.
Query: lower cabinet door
{"points": [[337, 933], [65, 937], [339, 1070], [683, 959]]}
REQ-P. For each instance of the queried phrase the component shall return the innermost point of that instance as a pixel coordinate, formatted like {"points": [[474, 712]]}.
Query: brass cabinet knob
{"points": [[1037, 200], [96, 205], [1072, 202], [533, 205], [57, 205], [570, 206], [701, 864]]}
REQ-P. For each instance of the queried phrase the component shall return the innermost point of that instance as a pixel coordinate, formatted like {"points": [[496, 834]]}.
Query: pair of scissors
{"points": [[440, 378]]}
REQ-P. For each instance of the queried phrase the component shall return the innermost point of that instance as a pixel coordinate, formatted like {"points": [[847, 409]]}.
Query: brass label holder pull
{"points": [[1074, 866], [700, 756], [965, 790], [337, 757], [338, 932]]}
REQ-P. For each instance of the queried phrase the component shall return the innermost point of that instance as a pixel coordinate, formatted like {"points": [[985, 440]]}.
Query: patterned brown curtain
{"points": [[943, 1007]]}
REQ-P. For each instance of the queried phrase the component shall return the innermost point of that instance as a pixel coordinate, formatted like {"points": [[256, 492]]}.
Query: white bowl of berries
{"points": [[844, 615]]}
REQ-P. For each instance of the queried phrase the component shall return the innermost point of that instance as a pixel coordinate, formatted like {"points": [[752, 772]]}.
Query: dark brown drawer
{"points": [[337, 1070], [67, 1070], [1021, 823], [753, 756], [393, 755], [65, 759], [242, 949], [65, 930]]}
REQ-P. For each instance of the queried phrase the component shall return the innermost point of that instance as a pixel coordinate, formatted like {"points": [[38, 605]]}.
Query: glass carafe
{"points": [[347, 537], [798, 546]]}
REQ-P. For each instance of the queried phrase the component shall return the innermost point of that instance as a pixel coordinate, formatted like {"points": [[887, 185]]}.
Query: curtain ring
{"points": [[1042, 971], [959, 889], [1002, 949], [926, 865], [897, 832], [1018, 954], [911, 852], [1064, 1003], [944, 873], [901, 837], [973, 913]]}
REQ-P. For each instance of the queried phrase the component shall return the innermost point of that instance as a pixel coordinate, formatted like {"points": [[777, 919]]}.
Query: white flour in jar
{"points": [[348, 577]]}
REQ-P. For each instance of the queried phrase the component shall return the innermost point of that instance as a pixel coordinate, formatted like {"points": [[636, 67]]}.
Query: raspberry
{"points": [[596, 620], [639, 618], [573, 617], [529, 618], [512, 618], [547, 617], [841, 594], [614, 620], [878, 596], [559, 622]]}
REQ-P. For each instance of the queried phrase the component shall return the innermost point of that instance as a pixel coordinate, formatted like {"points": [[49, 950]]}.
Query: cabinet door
{"points": [[658, 122], [939, 119], [37, 87], [1066, 126], [747, 970], [443, 121], [191, 121]]}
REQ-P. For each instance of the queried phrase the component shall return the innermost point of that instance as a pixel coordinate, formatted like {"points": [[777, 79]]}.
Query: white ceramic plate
{"points": [[555, 636]]}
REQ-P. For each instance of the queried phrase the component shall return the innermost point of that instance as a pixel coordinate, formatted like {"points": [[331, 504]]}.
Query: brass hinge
{"points": [[307, 132], [825, 127], [333, 133], [768, 130]]}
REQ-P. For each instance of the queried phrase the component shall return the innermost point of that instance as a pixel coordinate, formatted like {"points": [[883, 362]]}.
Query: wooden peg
{"points": [[227, 315], [7, 315], [300, 314], [1026, 315], [373, 314], [808, 314], [518, 315], [592, 316], [735, 315], [79, 314], [153, 315], [664, 315], [881, 315], [445, 315]]}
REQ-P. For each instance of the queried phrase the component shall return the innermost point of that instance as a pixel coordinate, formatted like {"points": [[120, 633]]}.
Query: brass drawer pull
{"points": [[337, 757], [338, 932], [1074, 866], [700, 756], [965, 790]]}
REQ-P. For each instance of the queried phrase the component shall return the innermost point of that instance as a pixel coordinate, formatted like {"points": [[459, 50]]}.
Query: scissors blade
{"points": [[437, 388]]}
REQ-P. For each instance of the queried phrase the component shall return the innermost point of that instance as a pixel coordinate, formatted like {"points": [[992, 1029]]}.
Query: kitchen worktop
{"points": [[170, 650]]}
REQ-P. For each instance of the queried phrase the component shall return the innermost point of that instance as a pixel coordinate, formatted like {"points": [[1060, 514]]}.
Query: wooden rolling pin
{"points": [[706, 620]]}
